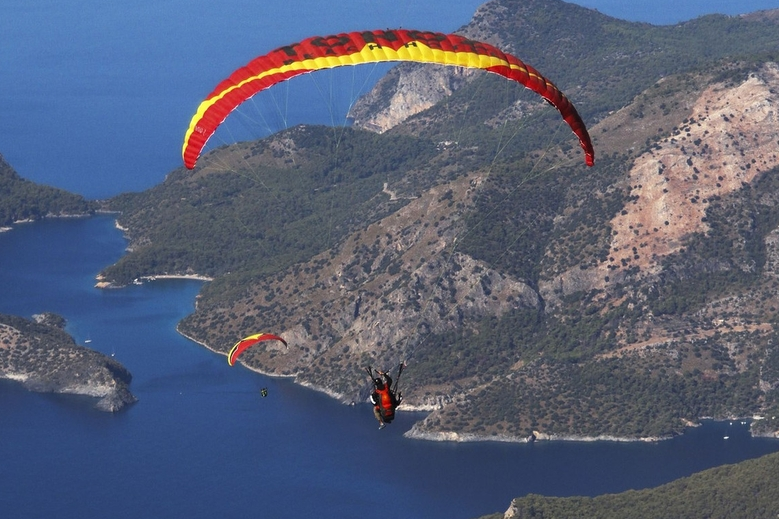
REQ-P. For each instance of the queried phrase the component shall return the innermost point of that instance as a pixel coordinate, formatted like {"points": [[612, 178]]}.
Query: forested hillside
{"points": [[748, 490], [530, 294], [21, 199]]}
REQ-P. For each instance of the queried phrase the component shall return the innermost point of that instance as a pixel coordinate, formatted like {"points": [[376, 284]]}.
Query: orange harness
{"points": [[386, 404]]}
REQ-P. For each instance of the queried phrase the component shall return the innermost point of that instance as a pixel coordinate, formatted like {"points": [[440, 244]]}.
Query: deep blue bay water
{"points": [[202, 443]]}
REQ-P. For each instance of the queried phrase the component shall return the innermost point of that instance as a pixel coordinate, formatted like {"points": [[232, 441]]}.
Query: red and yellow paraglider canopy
{"points": [[356, 48], [248, 342]]}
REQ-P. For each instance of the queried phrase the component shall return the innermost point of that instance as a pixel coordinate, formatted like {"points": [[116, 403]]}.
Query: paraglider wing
{"points": [[248, 342], [355, 48]]}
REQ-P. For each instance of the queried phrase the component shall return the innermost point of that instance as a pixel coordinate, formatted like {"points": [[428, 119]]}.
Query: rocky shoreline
{"points": [[6, 228], [450, 436], [417, 433], [102, 283]]}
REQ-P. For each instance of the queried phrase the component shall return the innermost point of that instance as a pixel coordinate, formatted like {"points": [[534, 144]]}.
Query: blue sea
{"points": [[94, 98]]}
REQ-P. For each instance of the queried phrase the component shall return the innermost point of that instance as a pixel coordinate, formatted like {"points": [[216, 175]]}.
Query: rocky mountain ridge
{"points": [[529, 294], [410, 89], [406, 269]]}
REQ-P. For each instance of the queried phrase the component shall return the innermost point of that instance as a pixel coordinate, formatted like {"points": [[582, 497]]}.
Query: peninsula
{"points": [[40, 355]]}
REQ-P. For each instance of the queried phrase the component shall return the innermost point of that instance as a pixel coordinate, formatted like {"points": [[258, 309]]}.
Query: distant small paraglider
{"points": [[248, 342]]}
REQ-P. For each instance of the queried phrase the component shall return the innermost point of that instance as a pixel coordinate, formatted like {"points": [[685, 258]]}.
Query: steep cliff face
{"points": [[405, 91], [409, 89], [45, 359]]}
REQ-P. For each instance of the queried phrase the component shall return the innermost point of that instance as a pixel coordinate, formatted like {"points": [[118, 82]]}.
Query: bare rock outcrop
{"points": [[730, 136], [414, 88]]}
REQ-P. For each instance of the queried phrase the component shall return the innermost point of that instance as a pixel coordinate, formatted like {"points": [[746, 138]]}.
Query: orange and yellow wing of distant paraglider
{"points": [[248, 342]]}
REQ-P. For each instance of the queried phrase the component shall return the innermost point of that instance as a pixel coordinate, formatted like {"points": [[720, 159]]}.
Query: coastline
{"points": [[110, 398], [319, 389], [451, 436], [206, 346], [197, 277], [102, 283], [7, 228], [203, 344]]}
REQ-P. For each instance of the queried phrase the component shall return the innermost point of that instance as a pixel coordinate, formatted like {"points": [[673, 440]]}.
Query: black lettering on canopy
{"points": [[330, 43], [289, 50], [431, 39], [378, 36], [480, 48]]}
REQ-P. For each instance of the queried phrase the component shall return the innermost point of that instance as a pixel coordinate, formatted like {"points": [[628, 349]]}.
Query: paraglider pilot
{"points": [[383, 399]]}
